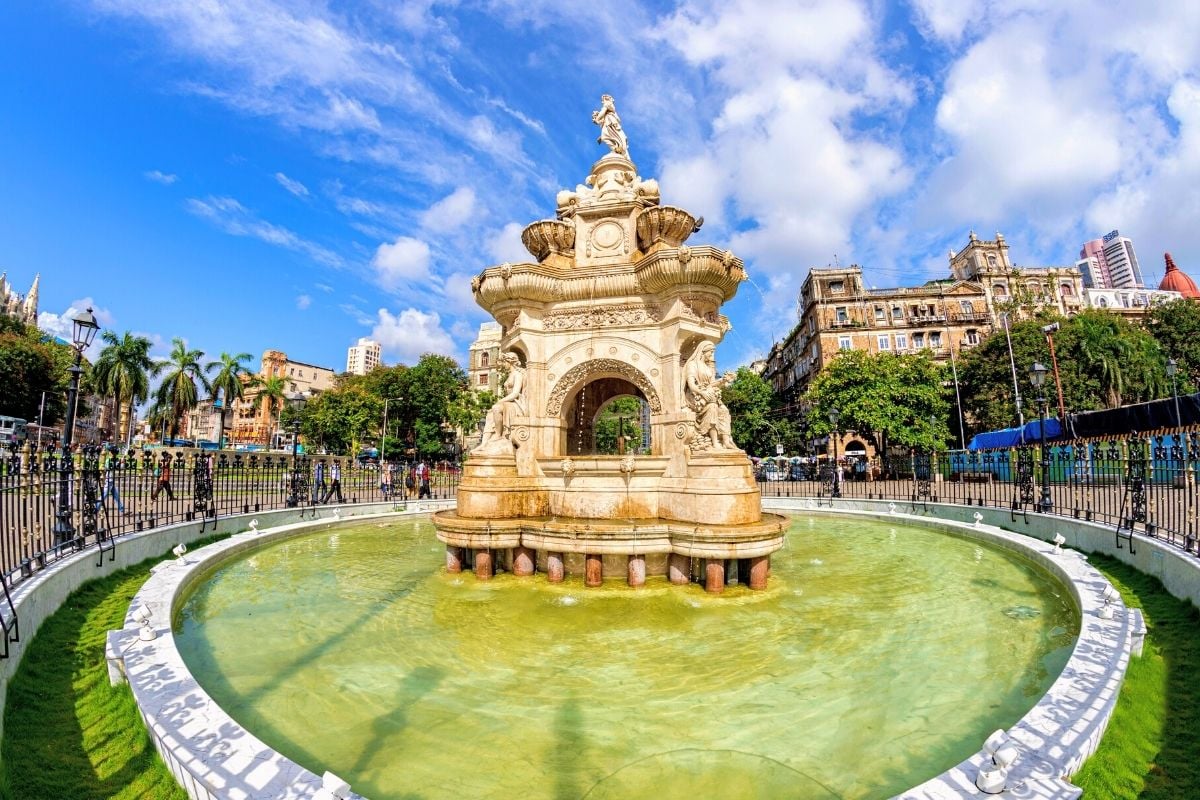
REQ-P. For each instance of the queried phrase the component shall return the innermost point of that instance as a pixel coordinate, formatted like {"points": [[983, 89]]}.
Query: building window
{"points": [[972, 336], [844, 343], [1103, 303], [842, 315], [1068, 290], [897, 312], [483, 379], [483, 359], [1000, 290], [918, 340], [879, 313], [885, 343], [991, 261], [935, 340], [812, 324], [901, 341], [837, 287]]}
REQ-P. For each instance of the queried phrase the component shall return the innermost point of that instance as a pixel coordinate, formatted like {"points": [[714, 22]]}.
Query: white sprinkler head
{"points": [[179, 550], [891, 508], [978, 518], [992, 779], [254, 525], [142, 614], [1059, 541]]}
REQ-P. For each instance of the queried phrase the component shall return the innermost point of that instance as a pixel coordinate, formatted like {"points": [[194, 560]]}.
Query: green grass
{"points": [[1151, 749], [67, 733]]}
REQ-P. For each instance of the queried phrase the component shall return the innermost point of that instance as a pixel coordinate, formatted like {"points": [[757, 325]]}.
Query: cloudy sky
{"points": [[252, 174]]}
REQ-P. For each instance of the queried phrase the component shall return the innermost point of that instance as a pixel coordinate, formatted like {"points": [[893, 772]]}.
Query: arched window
{"points": [[1103, 303], [1067, 290], [1000, 290], [991, 261], [483, 360]]}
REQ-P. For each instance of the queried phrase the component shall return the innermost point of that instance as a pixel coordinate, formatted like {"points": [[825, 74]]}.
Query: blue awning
{"points": [[1011, 437]]}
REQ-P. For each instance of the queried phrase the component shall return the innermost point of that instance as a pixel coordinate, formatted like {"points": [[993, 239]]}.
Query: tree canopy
{"points": [[30, 366], [755, 424]]}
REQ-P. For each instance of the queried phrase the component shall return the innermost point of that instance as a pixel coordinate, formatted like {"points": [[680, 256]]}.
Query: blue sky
{"points": [[268, 174]]}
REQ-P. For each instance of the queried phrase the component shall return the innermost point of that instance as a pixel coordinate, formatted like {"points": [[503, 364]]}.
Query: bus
{"points": [[12, 429]]}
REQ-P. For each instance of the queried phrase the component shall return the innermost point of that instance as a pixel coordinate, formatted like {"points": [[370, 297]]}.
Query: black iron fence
{"points": [[108, 495], [1143, 484]]}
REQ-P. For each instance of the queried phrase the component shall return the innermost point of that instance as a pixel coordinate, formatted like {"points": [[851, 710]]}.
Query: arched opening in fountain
{"points": [[607, 416]]}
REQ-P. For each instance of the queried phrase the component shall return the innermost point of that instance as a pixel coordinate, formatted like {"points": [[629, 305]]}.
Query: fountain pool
{"points": [[879, 656]]}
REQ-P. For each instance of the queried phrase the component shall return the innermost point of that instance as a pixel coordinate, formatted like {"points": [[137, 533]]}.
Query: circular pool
{"points": [[880, 656]]}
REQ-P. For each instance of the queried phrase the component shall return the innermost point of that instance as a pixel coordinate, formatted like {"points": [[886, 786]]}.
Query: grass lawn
{"points": [[68, 734]]}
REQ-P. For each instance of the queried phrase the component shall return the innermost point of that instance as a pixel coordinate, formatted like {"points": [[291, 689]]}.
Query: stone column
{"points": [[594, 570], [522, 561], [637, 570], [483, 564], [678, 567], [714, 576], [454, 558], [555, 569], [760, 568]]}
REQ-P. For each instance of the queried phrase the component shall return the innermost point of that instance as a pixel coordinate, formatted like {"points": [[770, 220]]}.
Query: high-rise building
{"points": [[363, 357], [1110, 263]]}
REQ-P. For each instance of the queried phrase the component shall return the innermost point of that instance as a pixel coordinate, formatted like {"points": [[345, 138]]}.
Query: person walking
{"points": [[163, 473], [423, 480], [335, 483], [319, 481], [111, 463], [385, 479]]}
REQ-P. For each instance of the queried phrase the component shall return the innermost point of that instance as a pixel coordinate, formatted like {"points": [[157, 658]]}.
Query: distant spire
{"points": [[29, 309]]}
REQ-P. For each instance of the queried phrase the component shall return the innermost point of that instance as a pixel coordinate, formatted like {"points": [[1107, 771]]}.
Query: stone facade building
{"points": [[483, 360], [14, 305], [260, 427]]}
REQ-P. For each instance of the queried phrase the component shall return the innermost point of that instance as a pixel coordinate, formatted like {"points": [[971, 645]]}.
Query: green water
{"points": [[879, 657]]}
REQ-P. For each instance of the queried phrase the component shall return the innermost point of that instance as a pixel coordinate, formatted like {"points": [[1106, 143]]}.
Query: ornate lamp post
{"points": [[1037, 377], [834, 416], [294, 489], [83, 333]]}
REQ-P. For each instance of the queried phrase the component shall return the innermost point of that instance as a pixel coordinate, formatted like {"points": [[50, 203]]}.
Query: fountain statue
{"points": [[614, 304]]}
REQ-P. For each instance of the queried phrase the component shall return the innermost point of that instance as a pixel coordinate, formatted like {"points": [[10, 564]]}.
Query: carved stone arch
{"points": [[601, 366]]}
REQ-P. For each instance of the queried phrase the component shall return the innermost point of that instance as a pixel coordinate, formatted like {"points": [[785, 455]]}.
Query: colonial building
{"points": [[484, 358], [1176, 280], [14, 305], [260, 427], [363, 357]]}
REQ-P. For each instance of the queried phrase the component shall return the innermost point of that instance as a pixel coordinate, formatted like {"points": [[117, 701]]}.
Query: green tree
{"points": [[229, 383], [29, 367], [621, 417], [122, 372], [755, 425], [1176, 328], [180, 389], [271, 392], [985, 376], [1122, 362], [340, 419], [434, 383], [896, 399]]}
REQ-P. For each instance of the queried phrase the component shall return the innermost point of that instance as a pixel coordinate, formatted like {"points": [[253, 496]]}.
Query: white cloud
{"points": [[324, 287], [235, 219], [63, 325], [294, 186], [451, 212], [506, 245], [303, 302], [165, 178], [411, 333], [406, 259]]}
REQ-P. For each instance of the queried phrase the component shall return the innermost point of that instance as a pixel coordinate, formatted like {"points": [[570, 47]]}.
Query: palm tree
{"points": [[273, 392], [178, 393], [229, 383], [123, 372]]}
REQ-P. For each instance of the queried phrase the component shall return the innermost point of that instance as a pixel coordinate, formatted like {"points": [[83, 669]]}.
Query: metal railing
{"points": [[1142, 484], [110, 495]]}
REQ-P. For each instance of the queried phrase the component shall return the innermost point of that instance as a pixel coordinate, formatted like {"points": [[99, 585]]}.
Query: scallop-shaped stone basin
{"points": [[880, 656], [664, 224], [548, 236]]}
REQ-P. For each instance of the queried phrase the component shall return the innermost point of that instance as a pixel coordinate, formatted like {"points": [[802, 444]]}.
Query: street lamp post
{"points": [[294, 489], [1037, 376], [83, 332], [836, 491]]}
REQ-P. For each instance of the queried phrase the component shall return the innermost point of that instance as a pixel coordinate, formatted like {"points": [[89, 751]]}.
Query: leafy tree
{"points": [[621, 417], [340, 419], [756, 427], [1123, 363], [897, 399], [179, 393], [123, 372], [271, 392], [29, 367], [985, 376], [1176, 327], [467, 410], [229, 383]]}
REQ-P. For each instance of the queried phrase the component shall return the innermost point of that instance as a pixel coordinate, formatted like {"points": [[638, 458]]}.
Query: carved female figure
{"points": [[498, 426], [611, 132], [702, 393]]}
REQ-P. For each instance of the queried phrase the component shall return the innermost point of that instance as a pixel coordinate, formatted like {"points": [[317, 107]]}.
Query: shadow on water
{"points": [[568, 753], [415, 686]]}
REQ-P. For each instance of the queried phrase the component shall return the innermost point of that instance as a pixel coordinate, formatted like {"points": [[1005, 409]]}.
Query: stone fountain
{"points": [[615, 304]]}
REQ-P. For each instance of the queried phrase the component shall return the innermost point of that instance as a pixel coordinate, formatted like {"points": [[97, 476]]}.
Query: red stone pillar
{"points": [[454, 558], [714, 576], [522, 561], [637, 571], [593, 574], [483, 565], [555, 568], [760, 568], [678, 568]]}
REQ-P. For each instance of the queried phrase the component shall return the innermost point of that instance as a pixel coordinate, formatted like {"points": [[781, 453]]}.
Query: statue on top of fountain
{"points": [[611, 132], [702, 393], [498, 428], [614, 176]]}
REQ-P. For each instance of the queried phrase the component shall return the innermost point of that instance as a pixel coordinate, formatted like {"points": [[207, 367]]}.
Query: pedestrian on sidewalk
{"points": [[335, 483], [163, 475]]}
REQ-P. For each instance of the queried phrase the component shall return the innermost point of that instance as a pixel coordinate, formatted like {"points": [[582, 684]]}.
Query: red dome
{"points": [[1176, 280]]}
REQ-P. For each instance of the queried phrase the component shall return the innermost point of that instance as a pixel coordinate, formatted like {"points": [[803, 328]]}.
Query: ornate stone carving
{"points": [[685, 254], [601, 365], [548, 236], [702, 394], [627, 465], [602, 317], [666, 224], [607, 237], [611, 132], [500, 432], [699, 308], [568, 467], [505, 271]]}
